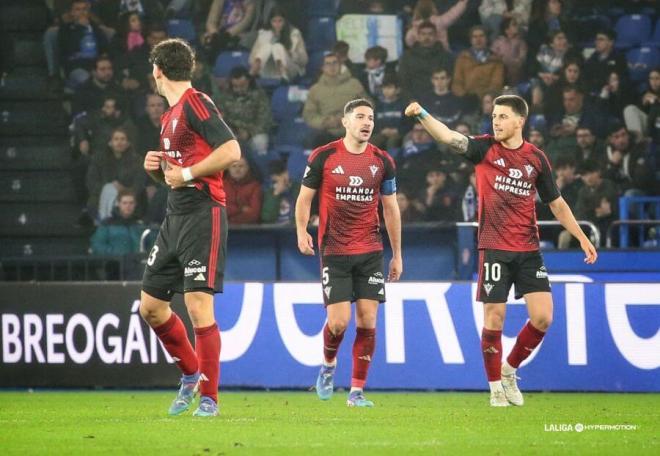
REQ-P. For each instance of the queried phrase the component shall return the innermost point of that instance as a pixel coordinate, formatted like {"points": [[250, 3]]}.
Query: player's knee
{"points": [[337, 325], [494, 320], [542, 322]]}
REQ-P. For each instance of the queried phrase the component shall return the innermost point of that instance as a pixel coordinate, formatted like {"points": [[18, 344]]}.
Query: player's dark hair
{"points": [[377, 53], [516, 103], [175, 58], [351, 105]]}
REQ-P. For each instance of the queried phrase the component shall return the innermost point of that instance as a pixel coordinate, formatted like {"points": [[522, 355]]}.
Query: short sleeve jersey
{"points": [[507, 183], [349, 188], [190, 130]]}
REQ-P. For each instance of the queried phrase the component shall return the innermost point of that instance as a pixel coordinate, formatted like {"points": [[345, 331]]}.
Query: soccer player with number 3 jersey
{"points": [[351, 176], [510, 172]]}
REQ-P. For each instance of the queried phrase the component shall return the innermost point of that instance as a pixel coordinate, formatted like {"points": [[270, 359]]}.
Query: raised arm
{"points": [[441, 132]]}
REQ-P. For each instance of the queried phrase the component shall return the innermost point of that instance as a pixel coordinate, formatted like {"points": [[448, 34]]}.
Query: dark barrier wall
{"points": [[605, 337]]}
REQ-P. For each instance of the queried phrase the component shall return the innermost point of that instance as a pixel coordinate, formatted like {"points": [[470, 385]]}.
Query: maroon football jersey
{"points": [[349, 188], [190, 130], [507, 183]]}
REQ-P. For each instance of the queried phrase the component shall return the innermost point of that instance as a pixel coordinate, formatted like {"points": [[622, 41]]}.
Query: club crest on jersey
{"points": [[374, 170], [515, 173], [488, 287], [529, 169], [327, 291]]}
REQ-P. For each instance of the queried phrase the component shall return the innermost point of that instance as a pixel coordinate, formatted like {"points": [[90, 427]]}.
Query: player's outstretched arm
{"points": [[441, 132], [303, 209], [392, 217], [152, 165], [563, 213], [220, 159]]}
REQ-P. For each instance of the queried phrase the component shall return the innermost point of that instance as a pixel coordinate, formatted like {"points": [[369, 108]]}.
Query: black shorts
{"points": [[189, 254], [499, 269], [353, 277]]}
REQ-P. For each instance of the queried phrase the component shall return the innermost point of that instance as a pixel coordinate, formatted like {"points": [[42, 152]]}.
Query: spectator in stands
{"points": [[575, 111], [409, 213], [80, 42], [418, 62], [225, 25], [589, 148], [569, 184], [244, 194], [279, 51], [117, 168], [546, 16], [603, 61], [438, 200], [324, 107], [483, 122], [134, 68], [111, 11], [615, 96], [390, 121], [120, 233], [637, 115], [130, 34], [340, 49], [551, 56], [627, 163], [373, 74], [280, 198], [494, 12], [570, 75], [92, 131], [512, 49], [477, 69], [203, 80], [537, 138], [148, 125], [441, 102], [426, 11], [246, 109], [90, 95], [469, 199], [597, 199]]}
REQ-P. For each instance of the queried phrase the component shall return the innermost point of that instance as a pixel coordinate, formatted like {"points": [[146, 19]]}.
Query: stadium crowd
{"points": [[281, 86]]}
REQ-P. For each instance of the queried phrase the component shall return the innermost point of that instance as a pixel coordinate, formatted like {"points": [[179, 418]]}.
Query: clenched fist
{"points": [[413, 109]]}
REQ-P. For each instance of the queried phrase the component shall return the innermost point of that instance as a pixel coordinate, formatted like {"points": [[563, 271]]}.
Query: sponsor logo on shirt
{"points": [[513, 185], [515, 173], [355, 181]]}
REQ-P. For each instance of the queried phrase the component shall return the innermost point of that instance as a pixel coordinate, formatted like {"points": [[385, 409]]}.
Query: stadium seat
{"points": [[287, 102], [655, 38], [28, 15], [55, 156], [261, 161], [632, 30], [55, 186], [321, 33], [38, 219], [297, 162], [293, 132], [41, 246], [317, 8], [228, 60], [182, 28], [641, 61], [314, 65]]}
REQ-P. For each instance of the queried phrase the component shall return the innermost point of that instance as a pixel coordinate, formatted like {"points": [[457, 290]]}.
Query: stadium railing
{"points": [[636, 208], [626, 224]]}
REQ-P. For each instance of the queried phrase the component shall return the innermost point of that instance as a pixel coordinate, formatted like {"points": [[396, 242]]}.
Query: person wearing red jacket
{"points": [[244, 194]]}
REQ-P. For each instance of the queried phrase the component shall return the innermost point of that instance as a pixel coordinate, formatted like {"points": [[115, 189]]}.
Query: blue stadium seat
{"points": [[261, 163], [655, 39], [641, 61], [321, 33], [314, 64], [632, 30], [321, 8], [228, 60], [293, 132], [297, 162], [182, 28], [282, 106]]}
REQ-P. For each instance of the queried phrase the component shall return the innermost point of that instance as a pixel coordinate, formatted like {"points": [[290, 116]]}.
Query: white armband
{"points": [[186, 174]]}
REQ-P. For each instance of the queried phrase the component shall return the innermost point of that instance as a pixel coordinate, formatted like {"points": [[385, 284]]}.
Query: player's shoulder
{"points": [[324, 150], [535, 151], [380, 153], [488, 138], [201, 105]]}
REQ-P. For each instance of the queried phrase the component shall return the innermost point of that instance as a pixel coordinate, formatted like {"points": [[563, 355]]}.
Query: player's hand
{"points": [[305, 243], [413, 109], [173, 176], [589, 250], [152, 160], [396, 269]]}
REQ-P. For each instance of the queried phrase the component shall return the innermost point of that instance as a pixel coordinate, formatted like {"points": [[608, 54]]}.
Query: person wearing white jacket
{"points": [[279, 52]]}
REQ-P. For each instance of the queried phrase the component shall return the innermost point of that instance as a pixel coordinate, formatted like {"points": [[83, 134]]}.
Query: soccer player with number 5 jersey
{"points": [[510, 172], [351, 176]]}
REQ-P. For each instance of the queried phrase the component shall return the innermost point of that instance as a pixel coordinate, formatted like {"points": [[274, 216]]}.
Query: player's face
{"points": [[506, 122], [360, 123]]}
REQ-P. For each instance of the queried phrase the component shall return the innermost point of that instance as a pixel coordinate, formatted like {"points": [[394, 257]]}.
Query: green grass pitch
{"points": [[135, 422]]}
